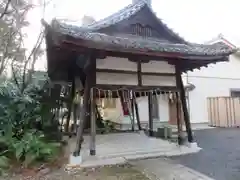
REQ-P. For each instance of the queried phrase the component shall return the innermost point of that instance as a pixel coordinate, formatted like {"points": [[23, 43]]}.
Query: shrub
{"points": [[23, 118]]}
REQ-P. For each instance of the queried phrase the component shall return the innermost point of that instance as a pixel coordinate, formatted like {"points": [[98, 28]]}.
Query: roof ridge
{"points": [[227, 42], [138, 5], [221, 38], [126, 13]]}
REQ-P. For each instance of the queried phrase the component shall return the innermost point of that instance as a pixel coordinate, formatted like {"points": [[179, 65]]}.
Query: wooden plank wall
{"points": [[173, 113], [224, 111]]}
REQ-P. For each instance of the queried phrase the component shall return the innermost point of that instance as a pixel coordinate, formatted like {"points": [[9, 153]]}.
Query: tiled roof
{"points": [[126, 13], [143, 43], [121, 15], [91, 36], [221, 38]]}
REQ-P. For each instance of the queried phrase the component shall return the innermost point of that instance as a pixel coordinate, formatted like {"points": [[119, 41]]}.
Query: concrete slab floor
{"points": [[164, 169], [119, 148]]}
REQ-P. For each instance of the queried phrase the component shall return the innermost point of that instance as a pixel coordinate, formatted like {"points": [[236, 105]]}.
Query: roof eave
{"points": [[119, 49]]}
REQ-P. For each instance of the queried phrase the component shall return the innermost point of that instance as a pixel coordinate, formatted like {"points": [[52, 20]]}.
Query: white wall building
{"points": [[221, 79]]}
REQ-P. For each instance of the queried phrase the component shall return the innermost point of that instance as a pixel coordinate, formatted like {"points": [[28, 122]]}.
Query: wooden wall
{"points": [[173, 113], [158, 67], [153, 73], [224, 111]]}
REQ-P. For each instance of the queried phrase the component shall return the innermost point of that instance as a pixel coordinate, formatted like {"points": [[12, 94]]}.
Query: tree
{"points": [[12, 21], [13, 52]]}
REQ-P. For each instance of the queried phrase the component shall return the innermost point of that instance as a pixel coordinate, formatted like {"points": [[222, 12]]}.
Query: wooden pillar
{"points": [[93, 123], [139, 70], [186, 117], [85, 113], [93, 107], [70, 104], [58, 110], [137, 113], [132, 111], [179, 124], [76, 105], [150, 114], [75, 110], [82, 120]]}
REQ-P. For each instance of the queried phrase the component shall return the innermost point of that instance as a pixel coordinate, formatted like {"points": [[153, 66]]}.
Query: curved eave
{"points": [[160, 51], [193, 56], [136, 44]]}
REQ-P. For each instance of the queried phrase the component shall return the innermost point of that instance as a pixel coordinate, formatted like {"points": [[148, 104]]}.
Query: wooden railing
{"points": [[224, 111]]}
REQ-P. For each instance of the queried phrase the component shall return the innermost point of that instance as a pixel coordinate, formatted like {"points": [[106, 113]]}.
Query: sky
{"points": [[196, 21]]}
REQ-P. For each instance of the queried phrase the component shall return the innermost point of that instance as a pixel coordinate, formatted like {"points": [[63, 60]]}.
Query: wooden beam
{"points": [[150, 114], [157, 74], [184, 104], [116, 71], [139, 70], [135, 87]]}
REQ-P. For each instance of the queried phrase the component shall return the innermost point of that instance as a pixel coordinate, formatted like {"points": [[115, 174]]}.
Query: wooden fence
{"points": [[224, 111]]}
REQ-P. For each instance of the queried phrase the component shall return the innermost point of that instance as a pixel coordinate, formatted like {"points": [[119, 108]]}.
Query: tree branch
{"points": [[32, 54], [5, 9]]}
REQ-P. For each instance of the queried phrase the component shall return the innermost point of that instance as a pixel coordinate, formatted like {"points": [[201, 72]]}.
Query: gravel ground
{"points": [[121, 172], [220, 157]]}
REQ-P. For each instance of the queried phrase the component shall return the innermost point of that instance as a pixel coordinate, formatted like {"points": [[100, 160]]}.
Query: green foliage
{"points": [[31, 148], [24, 118], [4, 163], [20, 111]]}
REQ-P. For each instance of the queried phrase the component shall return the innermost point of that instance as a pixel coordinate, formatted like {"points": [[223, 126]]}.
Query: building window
{"points": [[145, 31], [235, 92]]}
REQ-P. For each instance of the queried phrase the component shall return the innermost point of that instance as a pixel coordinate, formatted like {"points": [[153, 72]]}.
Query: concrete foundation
{"points": [[118, 148]]}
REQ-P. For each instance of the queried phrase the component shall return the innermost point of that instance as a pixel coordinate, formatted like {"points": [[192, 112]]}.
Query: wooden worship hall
{"points": [[130, 52]]}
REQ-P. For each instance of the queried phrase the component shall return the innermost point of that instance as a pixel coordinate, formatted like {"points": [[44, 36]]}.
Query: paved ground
{"points": [[165, 169], [220, 157]]}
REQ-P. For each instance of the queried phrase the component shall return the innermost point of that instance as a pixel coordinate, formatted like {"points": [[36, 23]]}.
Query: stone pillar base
{"points": [[192, 145], [150, 133], [75, 160], [92, 152]]}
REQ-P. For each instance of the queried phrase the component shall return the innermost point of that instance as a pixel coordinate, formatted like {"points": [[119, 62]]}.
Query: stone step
{"points": [[139, 152]]}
